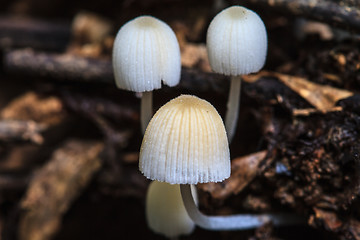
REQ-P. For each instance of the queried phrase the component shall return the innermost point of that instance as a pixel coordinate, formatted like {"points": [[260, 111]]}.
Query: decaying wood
{"points": [[68, 67], [15, 130], [59, 66], [343, 13], [55, 186]]}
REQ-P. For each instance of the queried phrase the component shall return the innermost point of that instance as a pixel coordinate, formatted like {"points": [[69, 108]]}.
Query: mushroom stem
{"points": [[233, 108], [233, 222], [146, 109]]}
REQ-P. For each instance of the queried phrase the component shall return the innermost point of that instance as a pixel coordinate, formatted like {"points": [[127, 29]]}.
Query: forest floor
{"points": [[70, 139]]}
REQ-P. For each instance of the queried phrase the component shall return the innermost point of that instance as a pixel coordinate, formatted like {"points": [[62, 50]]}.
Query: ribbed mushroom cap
{"points": [[185, 143], [145, 53], [236, 42], [165, 210]]}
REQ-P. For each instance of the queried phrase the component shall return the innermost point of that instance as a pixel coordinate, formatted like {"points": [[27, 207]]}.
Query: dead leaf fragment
{"points": [[32, 106], [195, 55], [322, 97], [329, 219], [243, 171], [55, 186]]}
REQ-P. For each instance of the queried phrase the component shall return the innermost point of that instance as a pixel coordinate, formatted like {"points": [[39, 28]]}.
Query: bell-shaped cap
{"points": [[146, 52], [236, 42], [165, 210], [185, 143]]}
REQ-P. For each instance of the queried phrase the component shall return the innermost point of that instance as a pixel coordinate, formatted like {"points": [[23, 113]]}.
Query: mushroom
{"points": [[145, 54], [165, 211], [185, 143], [237, 44]]}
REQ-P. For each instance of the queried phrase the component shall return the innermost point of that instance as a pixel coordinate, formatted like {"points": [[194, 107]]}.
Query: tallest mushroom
{"points": [[145, 54], [236, 44]]}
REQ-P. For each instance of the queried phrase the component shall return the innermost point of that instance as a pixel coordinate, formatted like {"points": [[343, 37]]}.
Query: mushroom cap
{"points": [[165, 210], [185, 143], [145, 53], [236, 42]]}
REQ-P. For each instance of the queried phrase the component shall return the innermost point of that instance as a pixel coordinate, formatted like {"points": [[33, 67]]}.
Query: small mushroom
{"points": [[237, 44], [145, 54], [185, 143], [165, 211]]}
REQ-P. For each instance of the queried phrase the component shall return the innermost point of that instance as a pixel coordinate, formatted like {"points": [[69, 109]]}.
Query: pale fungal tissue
{"points": [[165, 210], [185, 143], [236, 42], [146, 52]]}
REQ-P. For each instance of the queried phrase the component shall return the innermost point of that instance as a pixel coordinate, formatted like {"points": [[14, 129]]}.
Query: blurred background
{"points": [[69, 139]]}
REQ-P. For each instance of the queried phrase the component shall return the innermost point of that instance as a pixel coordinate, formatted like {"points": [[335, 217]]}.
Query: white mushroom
{"points": [[165, 211], [236, 44], [145, 54], [185, 143]]}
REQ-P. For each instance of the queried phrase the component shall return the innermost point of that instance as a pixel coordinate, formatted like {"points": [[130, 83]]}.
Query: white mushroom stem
{"points": [[233, 222], [146, 109], [232, 113]]}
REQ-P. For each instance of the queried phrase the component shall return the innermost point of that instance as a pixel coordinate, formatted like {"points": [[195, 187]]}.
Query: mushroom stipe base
{"points": [[234, 222]]}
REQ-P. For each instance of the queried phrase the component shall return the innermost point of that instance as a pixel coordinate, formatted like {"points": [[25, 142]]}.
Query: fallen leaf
{"points": [[46, 110], [322, 97], [243, 171]]}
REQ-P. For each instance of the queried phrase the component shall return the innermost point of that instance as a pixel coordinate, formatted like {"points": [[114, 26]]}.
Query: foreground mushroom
{"points": [[165, 211], [185, 143], [237, 44], [145, 54]]}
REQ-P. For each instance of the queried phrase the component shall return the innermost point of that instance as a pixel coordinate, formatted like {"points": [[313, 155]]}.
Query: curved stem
{"points": [[233, 108], [233, 222], [146, 109]]}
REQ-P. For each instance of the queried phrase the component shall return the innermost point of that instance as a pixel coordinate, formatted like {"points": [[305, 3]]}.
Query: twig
{"points": [[17, 130], [27, 32], [66, 67]]}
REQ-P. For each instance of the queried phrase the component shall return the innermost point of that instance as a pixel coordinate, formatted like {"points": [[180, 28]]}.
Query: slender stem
{"points": [[146, 109], [233, 108], [233, 222]]}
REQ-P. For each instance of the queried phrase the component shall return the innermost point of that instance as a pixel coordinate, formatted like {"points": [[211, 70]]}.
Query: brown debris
{"points": [[303, 112], [322, 97], [354, 229], [55, 186], [88, 27], [195, 55], [328, 218], [31, 106], [243, 171]]}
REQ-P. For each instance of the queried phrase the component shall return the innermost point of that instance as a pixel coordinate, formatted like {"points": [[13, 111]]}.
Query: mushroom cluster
{"points": [[186, 142]]}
